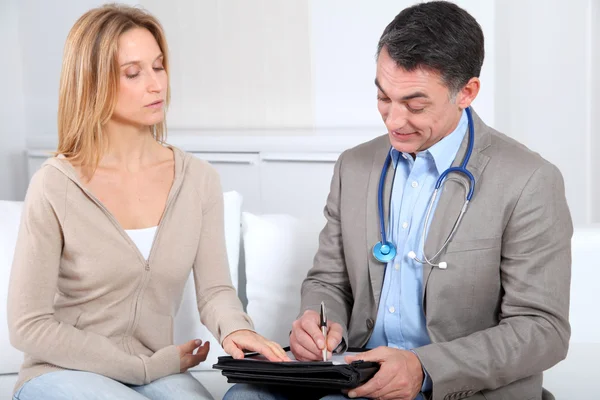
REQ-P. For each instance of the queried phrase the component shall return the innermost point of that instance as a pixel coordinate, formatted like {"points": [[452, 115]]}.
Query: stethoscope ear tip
{"points": [[443, 265], [412, 255]]}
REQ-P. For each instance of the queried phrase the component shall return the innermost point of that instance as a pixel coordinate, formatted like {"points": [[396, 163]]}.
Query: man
{"points": [[492, 312]]}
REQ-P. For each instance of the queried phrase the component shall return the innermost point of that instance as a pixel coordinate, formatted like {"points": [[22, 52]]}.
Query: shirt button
{"points": [[414, 184], [396, 266], [392, 309], [404, 225]]}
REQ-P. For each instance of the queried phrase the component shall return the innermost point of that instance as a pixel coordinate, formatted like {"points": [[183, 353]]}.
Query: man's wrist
{"points": [[426, 383]]}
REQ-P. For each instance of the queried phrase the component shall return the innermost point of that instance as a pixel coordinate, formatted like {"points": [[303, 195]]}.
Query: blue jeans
{"points": [[242, 391], [86, 385]]}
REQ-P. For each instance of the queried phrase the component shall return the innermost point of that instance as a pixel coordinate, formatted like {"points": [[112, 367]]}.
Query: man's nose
{"points": [[397, 117]]}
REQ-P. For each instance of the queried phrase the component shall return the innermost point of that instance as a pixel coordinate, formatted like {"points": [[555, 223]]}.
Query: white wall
{"points": [[43, 29], [544, 88], [32, 35], [13, 177], [306, 67], [251, 64], [594, 112], [238, 63], [344, 36]]}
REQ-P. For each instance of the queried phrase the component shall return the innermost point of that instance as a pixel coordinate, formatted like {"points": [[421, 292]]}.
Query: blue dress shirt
{"points": [[400, 317]]}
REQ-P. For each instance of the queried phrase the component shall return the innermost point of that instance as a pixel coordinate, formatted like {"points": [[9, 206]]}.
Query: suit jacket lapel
{"points": [[377, 268], [452, 194]]}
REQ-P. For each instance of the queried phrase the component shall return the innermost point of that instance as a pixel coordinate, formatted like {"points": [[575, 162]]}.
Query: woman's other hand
{"points": [[186, 353], [245, 340]]}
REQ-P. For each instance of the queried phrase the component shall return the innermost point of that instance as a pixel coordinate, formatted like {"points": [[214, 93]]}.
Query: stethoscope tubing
{"points": [[388, 247]]}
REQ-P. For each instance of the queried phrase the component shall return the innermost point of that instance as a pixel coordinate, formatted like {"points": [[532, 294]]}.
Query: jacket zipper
{"points": [[146, 277], [127, 338]]}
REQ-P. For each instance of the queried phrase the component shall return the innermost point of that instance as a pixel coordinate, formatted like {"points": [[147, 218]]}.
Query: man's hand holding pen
{"points": [[307, 341]]}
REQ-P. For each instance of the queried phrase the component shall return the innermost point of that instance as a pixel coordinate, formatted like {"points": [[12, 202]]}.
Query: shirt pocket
{"points": [[473, 245], [471, 285], [478, 260]]}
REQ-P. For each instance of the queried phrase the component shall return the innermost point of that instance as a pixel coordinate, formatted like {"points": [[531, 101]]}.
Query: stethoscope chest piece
{"points": [[384, 252]]}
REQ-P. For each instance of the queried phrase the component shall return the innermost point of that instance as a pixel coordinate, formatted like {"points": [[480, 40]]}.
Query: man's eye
{"points": [[415, 110], [384, 99]]}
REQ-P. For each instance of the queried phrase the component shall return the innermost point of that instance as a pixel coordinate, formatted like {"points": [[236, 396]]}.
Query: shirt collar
{"points": [[444, 151]]}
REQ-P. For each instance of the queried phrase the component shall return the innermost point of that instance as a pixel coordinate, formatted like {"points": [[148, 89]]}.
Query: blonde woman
{"points": [[112, 227]]}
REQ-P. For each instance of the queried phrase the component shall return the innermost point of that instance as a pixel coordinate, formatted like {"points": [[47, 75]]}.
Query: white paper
{"points": [[336, 359]]}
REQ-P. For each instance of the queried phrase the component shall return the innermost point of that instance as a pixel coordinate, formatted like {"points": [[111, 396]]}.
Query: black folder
{"points": [[314, 374]]}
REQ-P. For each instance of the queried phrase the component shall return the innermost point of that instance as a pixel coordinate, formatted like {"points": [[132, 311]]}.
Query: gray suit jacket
{"points": [[498, 315]]}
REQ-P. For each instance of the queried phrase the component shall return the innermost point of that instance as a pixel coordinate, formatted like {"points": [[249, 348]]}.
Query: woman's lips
{"points": [[156, 104]]}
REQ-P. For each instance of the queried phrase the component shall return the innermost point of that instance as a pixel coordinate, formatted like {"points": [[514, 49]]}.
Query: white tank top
{"points": [[143, 239]]}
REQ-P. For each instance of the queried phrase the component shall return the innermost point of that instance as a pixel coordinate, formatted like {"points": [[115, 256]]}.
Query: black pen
{"points": [[324, 329]]}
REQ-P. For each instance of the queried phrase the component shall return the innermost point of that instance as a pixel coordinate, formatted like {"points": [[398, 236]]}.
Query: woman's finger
{"points": [[232, 349], [278, 350], [200, 355], [192, 345], [263, 348]]}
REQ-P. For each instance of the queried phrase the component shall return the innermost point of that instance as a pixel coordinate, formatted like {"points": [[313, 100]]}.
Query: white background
{"points": [[267, 67]]}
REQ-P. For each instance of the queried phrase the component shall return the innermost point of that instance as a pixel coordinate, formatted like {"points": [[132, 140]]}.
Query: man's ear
{"points": [[468, 93]]}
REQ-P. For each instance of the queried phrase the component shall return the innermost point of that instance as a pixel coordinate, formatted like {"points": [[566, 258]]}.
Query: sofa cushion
{"points": [[576, 376], [232, 202], [585, 276], [10, 215], [279, 251]]}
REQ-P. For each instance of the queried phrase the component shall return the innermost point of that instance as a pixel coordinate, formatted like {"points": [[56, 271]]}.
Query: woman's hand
{"points": [[236, 342], [186, 354]]}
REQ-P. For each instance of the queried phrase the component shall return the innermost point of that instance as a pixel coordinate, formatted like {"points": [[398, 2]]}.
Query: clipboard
{"points": [[255, 369]]}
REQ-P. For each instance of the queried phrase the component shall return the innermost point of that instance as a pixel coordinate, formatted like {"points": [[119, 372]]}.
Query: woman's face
{"points": [[142, 80]]}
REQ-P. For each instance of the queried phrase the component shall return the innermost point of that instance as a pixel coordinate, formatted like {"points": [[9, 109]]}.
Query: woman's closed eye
{"points": [[131, 73]]}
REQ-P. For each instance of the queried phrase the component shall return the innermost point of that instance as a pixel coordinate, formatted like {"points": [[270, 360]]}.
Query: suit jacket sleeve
{"points": [[533, 332], [328, 279]]}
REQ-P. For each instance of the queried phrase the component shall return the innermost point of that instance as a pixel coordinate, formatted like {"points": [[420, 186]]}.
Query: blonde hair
{"points": [[90, 80]]}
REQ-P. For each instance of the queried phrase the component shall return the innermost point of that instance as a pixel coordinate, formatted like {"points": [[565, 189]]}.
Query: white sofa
{"points": [[277, 252]]}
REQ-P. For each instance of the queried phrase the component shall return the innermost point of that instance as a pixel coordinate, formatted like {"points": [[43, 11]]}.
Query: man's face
{"points": [[415, 106]]}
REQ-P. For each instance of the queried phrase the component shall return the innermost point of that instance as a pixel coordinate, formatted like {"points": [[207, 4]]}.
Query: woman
{"points": [[112, 227]]}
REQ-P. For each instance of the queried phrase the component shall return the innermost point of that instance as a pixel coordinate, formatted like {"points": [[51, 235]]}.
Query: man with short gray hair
{"points": [[447, 244]]}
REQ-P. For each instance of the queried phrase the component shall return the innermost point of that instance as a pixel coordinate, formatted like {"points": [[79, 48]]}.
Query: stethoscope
{"points": [[385, 251]]}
